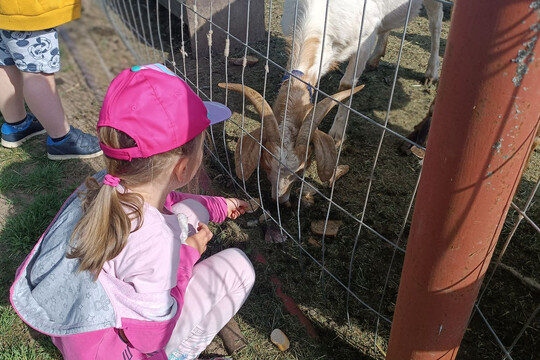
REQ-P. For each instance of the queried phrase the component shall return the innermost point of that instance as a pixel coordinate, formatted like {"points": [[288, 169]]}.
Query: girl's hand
{"points": [[199, 240], [235, 207]]}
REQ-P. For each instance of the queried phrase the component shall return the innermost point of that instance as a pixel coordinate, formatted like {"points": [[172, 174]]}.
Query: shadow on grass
{"points": [[32, 190]]}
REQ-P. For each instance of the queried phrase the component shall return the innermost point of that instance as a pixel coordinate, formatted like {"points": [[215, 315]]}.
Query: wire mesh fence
{"points": [[364, 187]]}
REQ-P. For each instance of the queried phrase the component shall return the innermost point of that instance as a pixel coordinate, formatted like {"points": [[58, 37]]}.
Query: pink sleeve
{"points": [[188, 257], [216, 205]]}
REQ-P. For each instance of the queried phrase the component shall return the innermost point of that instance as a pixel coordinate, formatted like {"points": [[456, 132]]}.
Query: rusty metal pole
{"points": [[485, 119]]}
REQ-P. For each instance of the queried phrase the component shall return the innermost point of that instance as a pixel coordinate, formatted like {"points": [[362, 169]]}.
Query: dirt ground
{"points": [[346, 327]]}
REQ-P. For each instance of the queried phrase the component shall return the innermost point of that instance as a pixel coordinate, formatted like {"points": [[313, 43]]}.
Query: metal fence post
{"points": [[485, 119]]}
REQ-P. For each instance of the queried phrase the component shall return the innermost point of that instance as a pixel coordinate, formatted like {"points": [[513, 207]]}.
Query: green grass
{"points": [[21, 232], [47, 176], [16, 341], [32, 190]]}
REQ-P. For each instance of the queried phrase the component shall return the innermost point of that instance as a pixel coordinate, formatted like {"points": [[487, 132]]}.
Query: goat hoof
{"points": [[274, 236], [428, 81], [404, 149], [372, 67]]}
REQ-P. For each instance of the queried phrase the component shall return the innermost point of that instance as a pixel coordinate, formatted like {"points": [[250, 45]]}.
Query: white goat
{"points": [[294, 112], [342, 35]]}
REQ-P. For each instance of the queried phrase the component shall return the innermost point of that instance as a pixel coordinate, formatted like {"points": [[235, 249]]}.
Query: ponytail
{"points": [[102, 232]]}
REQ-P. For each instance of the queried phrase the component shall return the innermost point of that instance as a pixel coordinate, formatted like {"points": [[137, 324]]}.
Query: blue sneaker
{"points": [[14, 135], [76, 145]]}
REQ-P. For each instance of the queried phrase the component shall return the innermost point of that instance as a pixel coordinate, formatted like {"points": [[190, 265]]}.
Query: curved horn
{"points": [[270, 122], [323, 107]]}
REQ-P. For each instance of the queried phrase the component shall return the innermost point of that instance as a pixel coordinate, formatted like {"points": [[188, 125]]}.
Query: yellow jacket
{"points": [[30, 15]]}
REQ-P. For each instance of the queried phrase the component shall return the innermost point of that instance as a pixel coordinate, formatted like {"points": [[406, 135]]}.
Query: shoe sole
{"points": [[14, 144], [74, 156]]}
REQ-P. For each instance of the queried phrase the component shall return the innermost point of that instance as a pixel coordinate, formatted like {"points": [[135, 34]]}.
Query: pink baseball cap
{"points": [[157, 109]]}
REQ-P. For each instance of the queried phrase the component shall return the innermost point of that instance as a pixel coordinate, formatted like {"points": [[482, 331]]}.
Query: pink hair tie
{"points": [[111, 180]]}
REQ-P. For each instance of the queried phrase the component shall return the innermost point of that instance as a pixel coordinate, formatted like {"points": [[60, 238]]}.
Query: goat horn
{"points": [[270, 122], [322, 108]]}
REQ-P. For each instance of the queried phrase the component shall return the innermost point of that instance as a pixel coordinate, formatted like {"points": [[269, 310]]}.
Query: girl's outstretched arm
{"points": [[216, 205]]}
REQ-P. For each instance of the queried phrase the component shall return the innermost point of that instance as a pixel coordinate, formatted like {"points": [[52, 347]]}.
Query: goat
{"points": [[283, 164], [341, 39], [344, 20]]}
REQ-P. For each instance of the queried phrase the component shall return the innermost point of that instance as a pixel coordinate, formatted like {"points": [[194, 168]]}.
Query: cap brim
{"points": [[217, 112]]}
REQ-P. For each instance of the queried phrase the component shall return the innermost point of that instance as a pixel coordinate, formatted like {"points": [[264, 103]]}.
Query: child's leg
{"points": [[19, 126], [11, 96], [43, 100], [218, 287], [36, 54], [30, 59]]}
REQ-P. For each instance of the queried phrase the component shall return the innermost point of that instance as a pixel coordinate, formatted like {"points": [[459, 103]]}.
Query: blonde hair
{"points": [[103, 230]]}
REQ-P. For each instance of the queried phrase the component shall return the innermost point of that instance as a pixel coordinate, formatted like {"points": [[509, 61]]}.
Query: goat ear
{"points": [[325, 154], [246, 155]]}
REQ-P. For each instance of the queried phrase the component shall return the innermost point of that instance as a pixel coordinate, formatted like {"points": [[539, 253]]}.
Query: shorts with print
{"points": [[30, 51]]}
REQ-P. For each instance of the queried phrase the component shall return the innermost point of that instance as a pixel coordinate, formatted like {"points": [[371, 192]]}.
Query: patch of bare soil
{"points": [[5, 207]]}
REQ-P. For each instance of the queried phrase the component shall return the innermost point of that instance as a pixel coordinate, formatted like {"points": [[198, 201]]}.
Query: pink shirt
{"points": [[139, 280]]}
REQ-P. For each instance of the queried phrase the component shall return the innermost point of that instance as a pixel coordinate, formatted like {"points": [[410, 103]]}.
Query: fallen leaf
{"points": [[332, 227], [313, 242], [250, 60], [263, 218], [279, 339], [419, 153]]}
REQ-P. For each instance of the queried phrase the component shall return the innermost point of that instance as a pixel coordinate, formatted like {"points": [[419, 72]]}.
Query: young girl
{"points": [[115, 275]]}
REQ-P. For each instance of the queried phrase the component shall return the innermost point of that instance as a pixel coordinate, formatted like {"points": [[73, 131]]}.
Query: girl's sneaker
{"points": [[14, 135], [76, 145]]}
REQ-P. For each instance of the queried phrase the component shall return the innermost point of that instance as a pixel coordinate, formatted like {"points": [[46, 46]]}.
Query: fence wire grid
{"points": [[353, 277]]}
